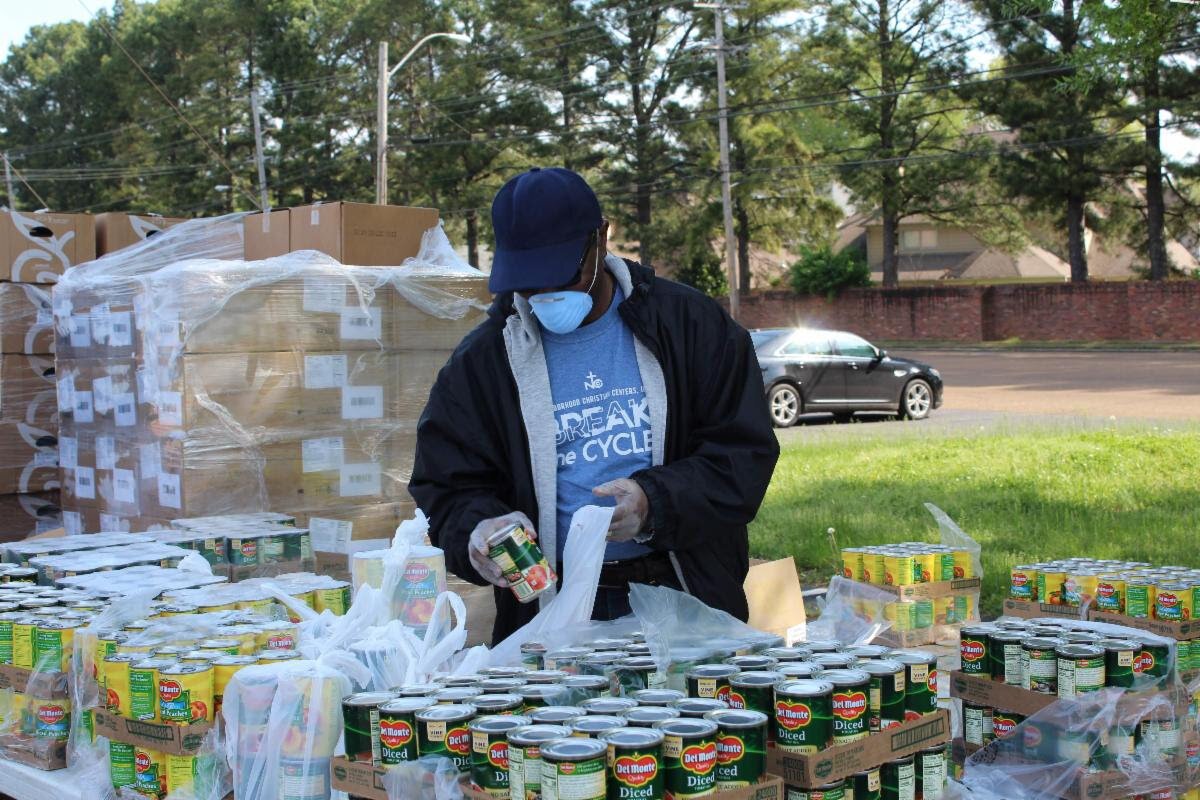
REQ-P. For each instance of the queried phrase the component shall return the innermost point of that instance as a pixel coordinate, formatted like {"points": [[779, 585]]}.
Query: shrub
{"points": [[702, 269], [822, 271]]}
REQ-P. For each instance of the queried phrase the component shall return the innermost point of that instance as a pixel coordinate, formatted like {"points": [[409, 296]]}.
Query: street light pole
{"points": [[381, 111]]}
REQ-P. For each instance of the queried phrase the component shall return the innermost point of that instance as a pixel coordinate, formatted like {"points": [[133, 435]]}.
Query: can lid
{"points": [[574, 749], [542, 690], [556, 715], [737, 719], [785, 654], [804, 687], [845, 677], [184, 669], [498, 723], [800, 669], [537, 734], [1009, 636], [1079, 651], [452, 681], [608, 705], [447, 713], [533, 647], [657, 697], [913, 657], [455, 694], [359, 698], [823, 645], [1043, 642], [490, 702], [607, 657], [610, 643], [713, 671], [545, 676], [699, 706], [752, 679], [687, 727], [1118, 644], [245, 661], [585, 681], [503, 533], [597, 723], [882, 666], [569, 652], [155, 662], [503, 672], [648, 715], [834, 660], [635, 738], [866, 650], [405, 705], [752, 662], [637, 662], [500, 685]]}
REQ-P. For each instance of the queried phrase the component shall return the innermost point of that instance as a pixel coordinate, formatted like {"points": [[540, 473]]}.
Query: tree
{"points": [[895, 62]]}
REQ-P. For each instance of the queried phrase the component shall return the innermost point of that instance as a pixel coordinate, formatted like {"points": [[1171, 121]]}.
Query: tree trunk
{"points": [[473, 239], [1076, 250], [1155, 208], [891, 266]]}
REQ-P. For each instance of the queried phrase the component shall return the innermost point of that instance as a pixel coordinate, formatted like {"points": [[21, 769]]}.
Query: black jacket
{"points": [[472, 459]]}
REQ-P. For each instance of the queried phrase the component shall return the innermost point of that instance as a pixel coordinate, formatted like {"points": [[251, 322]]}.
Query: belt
{"points": [[654, 569]]}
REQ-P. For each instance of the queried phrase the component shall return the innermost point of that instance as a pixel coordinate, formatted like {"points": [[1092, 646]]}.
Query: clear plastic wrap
{"points": [[291, 383], [428, 778], [851, 612]]}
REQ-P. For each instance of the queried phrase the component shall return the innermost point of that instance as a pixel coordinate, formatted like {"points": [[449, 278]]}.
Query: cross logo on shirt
{"points": [[593, 381]]}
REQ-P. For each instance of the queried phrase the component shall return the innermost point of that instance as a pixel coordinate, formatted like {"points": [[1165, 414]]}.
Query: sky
{"points": [[18, 16]]}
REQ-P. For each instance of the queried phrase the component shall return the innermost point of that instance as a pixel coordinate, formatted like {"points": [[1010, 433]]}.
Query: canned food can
{"points": [[185, 693], [872, 567], [756, 662], [899, 569], [525, 758], [360, 719], [608, 706], [851, 712], [1080, 669], [648, 717], [489, 752], [566, 659], [931, 771], [595, 726], [395, 729], [1139, 598], [54, 645], [631, 674], [927, 567], [977, 724], [1110, 594], [689, 757], [24, 631], [555, 715], [1079, 590], [1173, 602], [117, 694], [442, 730], [753, 691], [574, 769], [534, 696], [457, 695], [1004, 722], [710, 681], [695, 707], [224, 669], [852, 564], [188, 775], [543, 676], [521, 562], [51, 719], [150, 772], [1153, 662], [1005, 647], [657, 697], [803, 715], [243, 552], [304, 778], [586, 687], [828, 791], [531, 654], [865, 785], [334, 597], [143, 688], [424, 578], [887, 697], [1039, 665], [799, 669], [6, 634], [898, 779], [601, 664], [1050, 581], [920, 682], [973, 643], [121, 764], [741, 747], [635, 766]]}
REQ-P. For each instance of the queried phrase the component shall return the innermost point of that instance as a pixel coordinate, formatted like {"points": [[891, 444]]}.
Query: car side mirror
{"points": [[880, 355]]}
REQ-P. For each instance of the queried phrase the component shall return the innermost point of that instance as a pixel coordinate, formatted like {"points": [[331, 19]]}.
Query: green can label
{"points": [[120, 764], [1137, 601], [1108, 597], [690, 766], [574, 780], [634, 775], [923, 614], [887, 699], [243, 552], [974, 652], [920, 691], [751, 698], [523, 564], [1152, 662], [6, 641], [803, 725], [850, 715], [489, 763], [143, 693], [1077, 676], [449, 739], [1039, 670], [397, 743], [741, 757], [898, 781]]}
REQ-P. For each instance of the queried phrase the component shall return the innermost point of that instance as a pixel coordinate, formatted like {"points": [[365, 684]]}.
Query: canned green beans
{"points": [[574, 769], [586, 687], [489, 752], [741, 747], [695, 707], [1118, 661], [1006, 647], [865, 785], [631, 674], [657, 697], [898, 779], [1080, 669], [710, 681], [635, 763], [566, 659], [886, 698], [360, 713], [828, 791], [595, 726], [753, 691], [556, 715], [649, 716], [495, 704], [851, 713], [442, 730], [608, 706], [920, 682], [977, 724], [689, 757], [931, 772], [973, 650], [803, 715], [1039, 665], [525, 758]]}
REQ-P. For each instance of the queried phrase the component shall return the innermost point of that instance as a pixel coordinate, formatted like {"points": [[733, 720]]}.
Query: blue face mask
{"points": [[562, 312]]}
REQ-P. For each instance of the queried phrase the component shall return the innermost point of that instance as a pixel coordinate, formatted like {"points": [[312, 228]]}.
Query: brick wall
{"points": [[1134, 311]]}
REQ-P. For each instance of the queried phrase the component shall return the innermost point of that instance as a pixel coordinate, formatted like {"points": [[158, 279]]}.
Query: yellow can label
{"points": [[181, 773], [185, 695], [964, 566], [898, 570], [23, 633], [334, 600], [928, 567], [873, 568], [852, 565]]}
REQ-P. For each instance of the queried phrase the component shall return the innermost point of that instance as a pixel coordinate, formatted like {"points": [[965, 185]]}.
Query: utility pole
{"points": [[723, 137], [258, 154], [381, 110], [10, 197]]}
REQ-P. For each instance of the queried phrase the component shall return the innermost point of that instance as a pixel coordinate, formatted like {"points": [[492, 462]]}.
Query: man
{"points": [[593, 381]]}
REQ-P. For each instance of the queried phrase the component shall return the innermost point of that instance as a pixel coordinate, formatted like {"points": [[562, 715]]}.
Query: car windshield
{"points": [[759, 338]]}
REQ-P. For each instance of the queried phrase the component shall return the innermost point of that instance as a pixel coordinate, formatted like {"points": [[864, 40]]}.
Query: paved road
{"points": [[1010, 390]]}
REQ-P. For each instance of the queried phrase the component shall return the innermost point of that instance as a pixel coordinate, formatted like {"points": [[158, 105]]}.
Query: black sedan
{"points": [[807, 371]]}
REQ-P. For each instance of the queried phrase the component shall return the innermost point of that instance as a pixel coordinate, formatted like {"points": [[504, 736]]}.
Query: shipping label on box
{"points": [[38, 248], [266, 235]]}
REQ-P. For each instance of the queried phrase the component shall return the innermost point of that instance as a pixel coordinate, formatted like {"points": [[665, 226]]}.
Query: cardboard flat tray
{"points": [[983, 691], [928, 591], [1025, 609], [1174, 630], [361, 779], [179, 740], [45, 685], [842, 761], [44, 754]]}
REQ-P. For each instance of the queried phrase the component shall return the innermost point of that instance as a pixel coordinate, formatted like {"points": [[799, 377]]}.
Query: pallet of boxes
{"points": [[926, 591], [287, 382]]}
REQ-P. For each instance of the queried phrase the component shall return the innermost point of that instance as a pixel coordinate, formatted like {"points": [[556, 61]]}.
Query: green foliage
{"points": [[703, 270], [824, 272]]}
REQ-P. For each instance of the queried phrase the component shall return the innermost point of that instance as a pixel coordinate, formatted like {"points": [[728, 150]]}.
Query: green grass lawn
{"points": [[1126, 493]]}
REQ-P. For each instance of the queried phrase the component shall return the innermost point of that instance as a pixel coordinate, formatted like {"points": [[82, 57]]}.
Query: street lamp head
{"points": [[460, 37]]}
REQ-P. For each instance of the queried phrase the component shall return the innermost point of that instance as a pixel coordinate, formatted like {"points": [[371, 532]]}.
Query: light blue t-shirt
{"points": [[602, 420]]}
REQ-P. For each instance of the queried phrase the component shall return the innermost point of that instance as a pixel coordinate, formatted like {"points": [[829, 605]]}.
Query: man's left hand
{"points": [[629, 517]]}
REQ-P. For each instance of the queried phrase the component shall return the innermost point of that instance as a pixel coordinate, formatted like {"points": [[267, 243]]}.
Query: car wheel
{"points": [[917, 400], [784, 403]]}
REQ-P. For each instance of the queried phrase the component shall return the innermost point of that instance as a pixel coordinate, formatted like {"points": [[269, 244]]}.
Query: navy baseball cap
{"points": [[542, 220]]}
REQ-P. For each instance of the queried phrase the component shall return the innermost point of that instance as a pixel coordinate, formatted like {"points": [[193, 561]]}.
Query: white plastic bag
{"points": [[427, 778]]}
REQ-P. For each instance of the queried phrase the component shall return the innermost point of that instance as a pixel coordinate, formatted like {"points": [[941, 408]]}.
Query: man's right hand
{"points": [[478, 547]]}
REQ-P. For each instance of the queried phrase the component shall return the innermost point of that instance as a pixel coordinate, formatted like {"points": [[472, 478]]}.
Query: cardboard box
{"points": [[27, 390], [99, 322], [47, 685], [361, 234], [1173, 630], [24, 515], [179, 740], [983, 691], [28, 459], [38, 248], [1025, 609], [26, 319], [776, 602], [44, 754], [116, 230], [334, 530], [361, 779], [267, 235], [102, 394], [841, 761], [928, 591], [271, 570]]}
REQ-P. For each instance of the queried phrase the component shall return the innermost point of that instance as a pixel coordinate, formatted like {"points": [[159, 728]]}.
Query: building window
{"points": [[918, 240]]}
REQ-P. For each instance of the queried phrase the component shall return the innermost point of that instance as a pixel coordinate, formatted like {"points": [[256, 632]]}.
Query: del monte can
{"points": [[634, 763], [851, 705], [689, 757]]}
